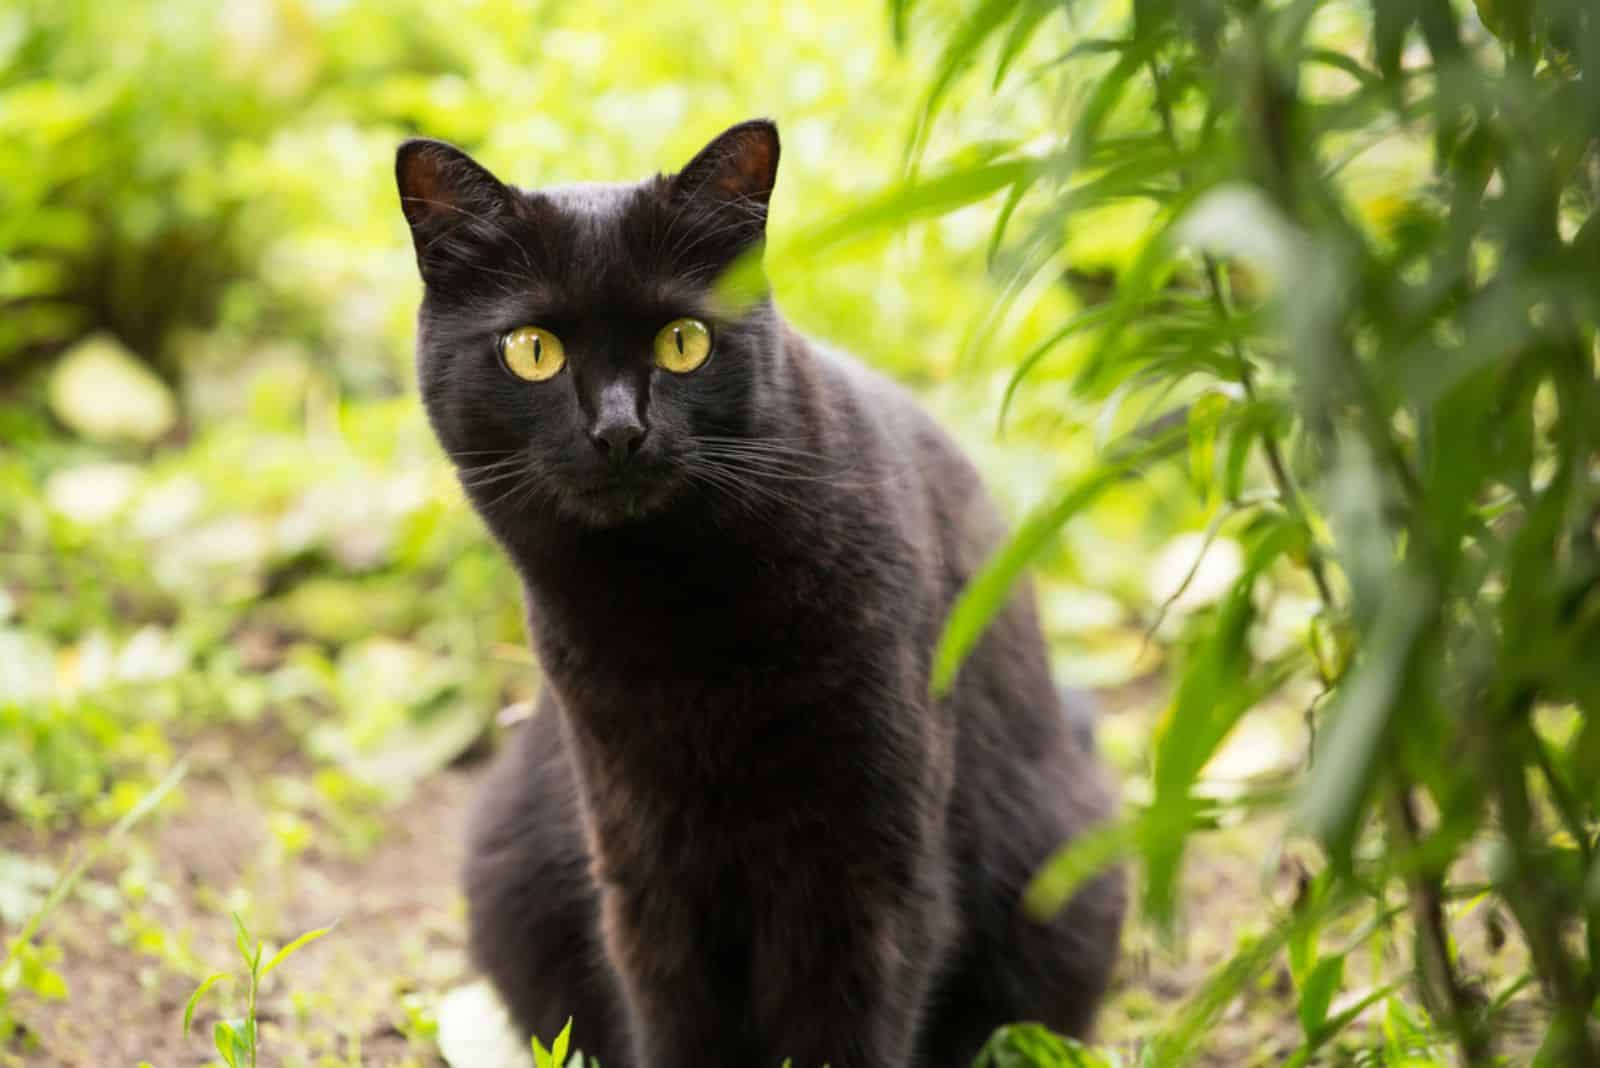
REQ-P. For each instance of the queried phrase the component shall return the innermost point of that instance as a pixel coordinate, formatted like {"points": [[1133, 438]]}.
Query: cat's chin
{"points": [[614, 504]]}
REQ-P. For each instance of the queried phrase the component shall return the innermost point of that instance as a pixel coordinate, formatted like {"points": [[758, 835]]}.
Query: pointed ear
{"points": [[442, 190], [739, 166]]}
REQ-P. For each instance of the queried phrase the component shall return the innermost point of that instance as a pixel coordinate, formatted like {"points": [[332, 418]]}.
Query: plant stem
{"points": [[1436, 968], [255, 980], [1288, 491], [1442, 990], [1542, 927]]}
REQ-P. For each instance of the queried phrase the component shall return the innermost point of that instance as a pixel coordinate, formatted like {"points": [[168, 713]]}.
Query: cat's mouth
{"points": [[623, 496]]}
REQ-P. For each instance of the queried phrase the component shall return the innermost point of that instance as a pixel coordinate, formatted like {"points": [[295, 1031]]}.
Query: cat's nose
{"points": [[618, 430], [618, 440]]}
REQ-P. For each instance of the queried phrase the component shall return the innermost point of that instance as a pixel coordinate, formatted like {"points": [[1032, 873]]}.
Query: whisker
{"points": [[517, 487]]}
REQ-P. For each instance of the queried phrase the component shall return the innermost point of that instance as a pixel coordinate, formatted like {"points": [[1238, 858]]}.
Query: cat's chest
{"points": [[664, 613]]}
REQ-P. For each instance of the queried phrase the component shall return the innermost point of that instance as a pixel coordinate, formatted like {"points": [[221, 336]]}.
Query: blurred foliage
{"points": [[1383, 387]]}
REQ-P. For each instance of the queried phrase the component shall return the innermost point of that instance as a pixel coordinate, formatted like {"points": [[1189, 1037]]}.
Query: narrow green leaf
{"points": [[1076, 863], [1017, 38], [997, 236], [1208, 538], [745, 279], [960, 48], [298, 944], [1348, 756], [1179, 1041], [919, 199], [899, 12], [241, 938], [1332, 1027], [1342, 62], [245, 1029], [1316, 993], [194, 999], [226, 1042], [558, 1049], [1086, 320], [1135, 290], [988, 590]]}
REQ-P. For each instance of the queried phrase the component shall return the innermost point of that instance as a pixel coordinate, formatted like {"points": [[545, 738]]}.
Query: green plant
{"points": [[556, 1055], [1356, 326], [238, 1039], [1032, 1046], [27, 967]]}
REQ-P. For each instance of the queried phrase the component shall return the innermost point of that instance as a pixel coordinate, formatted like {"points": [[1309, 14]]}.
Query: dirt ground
{"points": [[131, 964]]}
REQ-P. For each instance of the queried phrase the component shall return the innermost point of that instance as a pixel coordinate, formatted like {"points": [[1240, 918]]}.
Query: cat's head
{"points": [[573, 352]]}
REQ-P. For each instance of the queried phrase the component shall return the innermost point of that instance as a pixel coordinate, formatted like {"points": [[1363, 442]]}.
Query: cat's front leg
{"points": [[843, 970], [677, 1007]]}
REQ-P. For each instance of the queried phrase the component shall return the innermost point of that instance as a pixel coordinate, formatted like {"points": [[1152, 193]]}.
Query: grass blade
{"points": [[293, 947], [988, 590], [194, 999]]}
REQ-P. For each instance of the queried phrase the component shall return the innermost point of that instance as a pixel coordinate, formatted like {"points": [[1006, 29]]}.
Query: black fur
{"points": [[738, 829]]}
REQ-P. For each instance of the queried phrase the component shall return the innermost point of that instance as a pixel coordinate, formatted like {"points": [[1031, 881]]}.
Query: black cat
{"points": [[739, 829]]}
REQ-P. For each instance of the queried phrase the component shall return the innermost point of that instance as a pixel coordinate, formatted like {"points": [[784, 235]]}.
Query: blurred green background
{"points": [[221, 502], [227, 535]]}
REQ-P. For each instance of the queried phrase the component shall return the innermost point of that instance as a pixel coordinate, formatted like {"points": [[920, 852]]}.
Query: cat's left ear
{"points": [[445, 193], [739, 167]]}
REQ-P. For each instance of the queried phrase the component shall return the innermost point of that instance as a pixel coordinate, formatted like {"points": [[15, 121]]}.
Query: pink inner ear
{"points": [[752, 162], [422, 185]]}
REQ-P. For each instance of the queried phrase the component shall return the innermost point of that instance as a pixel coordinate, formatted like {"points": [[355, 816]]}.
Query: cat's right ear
{"points": [[445, 195]]}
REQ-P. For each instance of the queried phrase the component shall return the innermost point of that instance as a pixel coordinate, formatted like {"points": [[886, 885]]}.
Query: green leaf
{"points": [[1076, 863], [1317, 991], [959, 49], [1022, 30], [919, 199], [199, 992], [1218, 685], [542, 1057], [1332, 1027], [1180, 1040], [987, 592], [899, 12], [227, 1042], [1086, 320], [1348, 755], [1029, 1045], [293, 947], [895, 206], [241, 938], [558, 1049]]}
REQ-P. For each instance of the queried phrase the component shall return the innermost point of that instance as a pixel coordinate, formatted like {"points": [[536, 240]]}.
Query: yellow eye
{"points": [[683, 345], [532, 352]]}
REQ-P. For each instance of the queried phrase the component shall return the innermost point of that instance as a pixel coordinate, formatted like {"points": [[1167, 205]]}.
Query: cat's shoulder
{"points": [[887, 403]]}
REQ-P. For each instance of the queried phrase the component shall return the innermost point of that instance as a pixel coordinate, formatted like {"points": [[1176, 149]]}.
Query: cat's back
{"points": [[1005, 699]]}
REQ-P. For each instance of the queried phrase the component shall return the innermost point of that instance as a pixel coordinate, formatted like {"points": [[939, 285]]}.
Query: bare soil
{"points": [[338, 1002], [132, 958]]}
